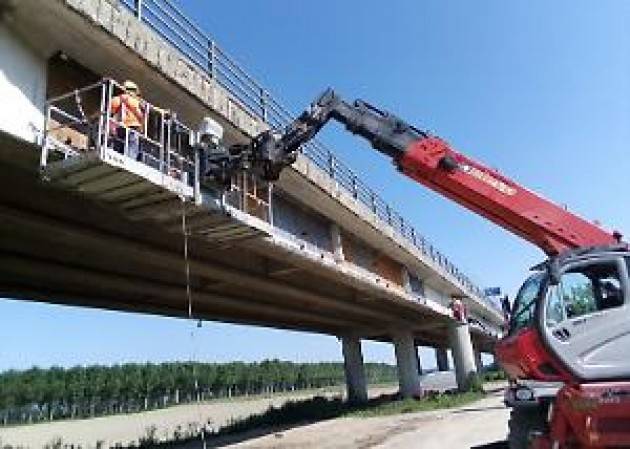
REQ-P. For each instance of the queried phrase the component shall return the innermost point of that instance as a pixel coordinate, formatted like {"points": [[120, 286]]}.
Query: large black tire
{"points": [[524, 421]]}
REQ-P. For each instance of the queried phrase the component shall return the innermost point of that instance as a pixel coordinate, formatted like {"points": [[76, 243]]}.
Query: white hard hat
{"points": [[130, 85]]}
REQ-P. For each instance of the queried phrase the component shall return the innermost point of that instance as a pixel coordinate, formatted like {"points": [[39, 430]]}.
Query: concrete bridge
{"points": [[86, 225]]}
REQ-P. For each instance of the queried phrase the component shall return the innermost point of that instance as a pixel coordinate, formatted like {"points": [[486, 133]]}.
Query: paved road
{"points": [[482, 425], [439, 381]]}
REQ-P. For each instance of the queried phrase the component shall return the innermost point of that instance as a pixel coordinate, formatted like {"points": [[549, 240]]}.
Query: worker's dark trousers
{"points": [[133, 144]]}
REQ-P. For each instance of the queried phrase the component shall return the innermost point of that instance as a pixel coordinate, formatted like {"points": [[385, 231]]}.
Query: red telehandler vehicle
{"points": [[565, 352]]}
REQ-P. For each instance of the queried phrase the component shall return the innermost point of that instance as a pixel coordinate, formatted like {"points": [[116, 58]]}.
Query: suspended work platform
{"points": [[150, 173]]}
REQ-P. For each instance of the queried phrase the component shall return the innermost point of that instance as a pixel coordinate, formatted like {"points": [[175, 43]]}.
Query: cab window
{"points": [[585, 289], [525, 302], [555, 307]]}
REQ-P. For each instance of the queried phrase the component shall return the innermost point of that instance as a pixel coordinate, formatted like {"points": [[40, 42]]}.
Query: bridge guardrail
{"points": [[168, 21]]}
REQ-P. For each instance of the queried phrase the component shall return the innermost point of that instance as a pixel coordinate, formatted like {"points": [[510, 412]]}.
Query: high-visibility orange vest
{"points": [[127, 110]]}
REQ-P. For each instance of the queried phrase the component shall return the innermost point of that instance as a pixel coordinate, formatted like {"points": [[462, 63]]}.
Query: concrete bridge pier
{"points": [[408, 364], [478, 360], [418, 362], [356, 385], [441, 357], [463, 354], [337, 246]]}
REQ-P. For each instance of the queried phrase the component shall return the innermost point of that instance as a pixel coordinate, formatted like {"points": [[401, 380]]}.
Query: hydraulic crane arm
{"points": [[431, 161]]}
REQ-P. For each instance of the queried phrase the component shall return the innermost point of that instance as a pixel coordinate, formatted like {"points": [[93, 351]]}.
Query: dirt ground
{"points": [[482, 425]]}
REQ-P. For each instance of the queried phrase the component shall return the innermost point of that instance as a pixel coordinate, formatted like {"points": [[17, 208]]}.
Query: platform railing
{"points": [[251, 195], [82, 121], [175, 27]]}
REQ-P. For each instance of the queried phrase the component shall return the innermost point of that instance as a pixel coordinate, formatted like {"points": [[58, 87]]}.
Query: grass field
{"points": [[104, 432], [225, 418]]}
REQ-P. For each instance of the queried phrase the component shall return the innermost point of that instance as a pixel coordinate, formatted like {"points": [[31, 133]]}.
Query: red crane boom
{"points": [[433, 163]]}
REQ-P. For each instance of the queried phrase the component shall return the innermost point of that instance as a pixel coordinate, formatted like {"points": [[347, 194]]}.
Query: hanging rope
{"points": [[79, 103], [186, 261], [191, 318]]}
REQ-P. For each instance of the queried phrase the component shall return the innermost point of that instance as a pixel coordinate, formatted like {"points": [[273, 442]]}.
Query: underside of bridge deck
{"points": [[64, 248]]}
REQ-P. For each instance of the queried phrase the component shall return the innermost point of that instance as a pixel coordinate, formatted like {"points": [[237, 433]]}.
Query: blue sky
{"points": [[539, 90]]}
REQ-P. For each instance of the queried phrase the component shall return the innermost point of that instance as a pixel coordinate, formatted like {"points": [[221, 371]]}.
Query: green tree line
{"points": [[37, 394]]}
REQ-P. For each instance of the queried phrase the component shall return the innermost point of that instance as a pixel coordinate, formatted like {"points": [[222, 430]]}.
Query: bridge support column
{"points": [[441, 358], [407, 361], [478, 360], [463, 356], [406, 282], [337, 245], [356, 385]]}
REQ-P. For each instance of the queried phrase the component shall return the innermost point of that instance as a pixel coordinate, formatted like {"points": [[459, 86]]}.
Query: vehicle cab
{"points": [[570, 320]]}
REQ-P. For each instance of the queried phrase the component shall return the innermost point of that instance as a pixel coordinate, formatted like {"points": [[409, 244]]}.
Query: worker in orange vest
{"points": [[128, 110]]}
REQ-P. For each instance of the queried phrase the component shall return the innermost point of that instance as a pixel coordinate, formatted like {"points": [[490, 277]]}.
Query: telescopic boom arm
{"points": [[432, 162]]}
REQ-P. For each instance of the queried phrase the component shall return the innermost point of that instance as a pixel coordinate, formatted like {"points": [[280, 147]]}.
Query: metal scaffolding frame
{"points": [[81, 122]]}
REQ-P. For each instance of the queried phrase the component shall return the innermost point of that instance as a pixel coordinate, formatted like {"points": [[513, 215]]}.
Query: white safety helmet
{"points": [[130, 86]]}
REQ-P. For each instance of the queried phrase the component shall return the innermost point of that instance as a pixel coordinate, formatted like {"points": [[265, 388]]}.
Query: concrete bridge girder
{"points": [[165, 260], [135, 251], [331, 201]]}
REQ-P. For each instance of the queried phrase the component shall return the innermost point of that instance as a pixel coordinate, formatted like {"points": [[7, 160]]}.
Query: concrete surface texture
{"points": [[407, 362], [22, 87], [463, 353], [354, 370]]}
